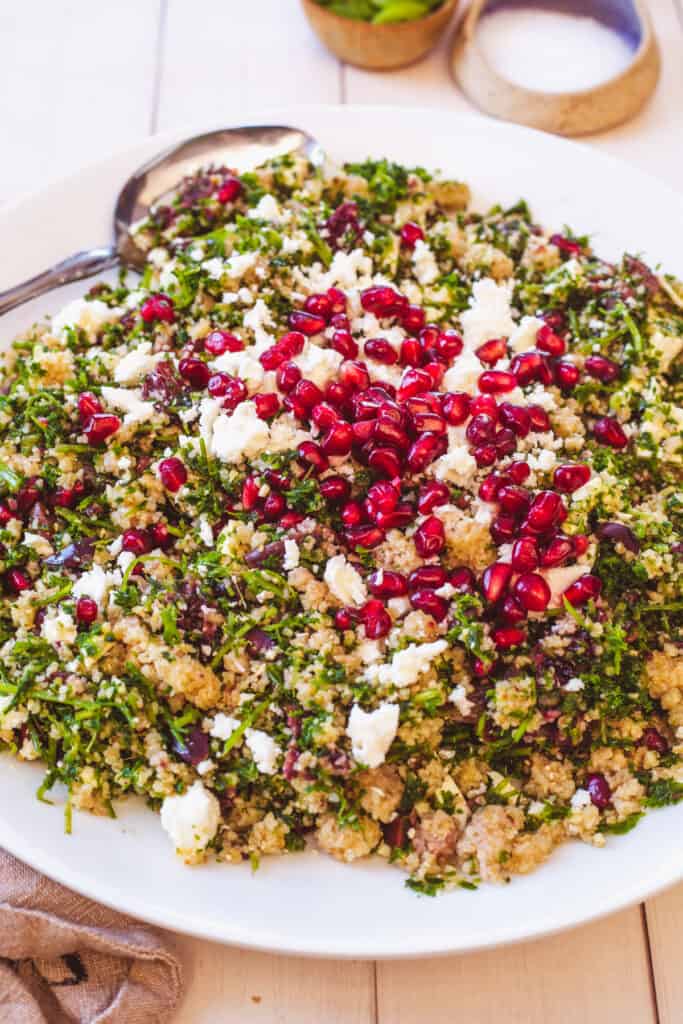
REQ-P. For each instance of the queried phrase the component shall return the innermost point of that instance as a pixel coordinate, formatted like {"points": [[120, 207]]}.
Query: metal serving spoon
{"points": [[238, 148]]}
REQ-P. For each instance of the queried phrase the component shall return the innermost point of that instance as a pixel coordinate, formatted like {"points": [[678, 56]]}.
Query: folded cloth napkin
{"points": [[67, 960]]}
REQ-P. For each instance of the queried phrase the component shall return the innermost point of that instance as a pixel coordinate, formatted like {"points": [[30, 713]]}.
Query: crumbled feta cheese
{"points": [[458, 697], [191, 819], [463, 374], [137, 363], [489, 314], [242, 365], [581, 799], [239, 263], [90, 315], [291, 559], [95, 582], [559, 579], [540, 396], [205, 532], [574, 684], [285, 435], [39, 544], [456, 465], [223, 726], [667, 348], [318, 364], [240, 434], [256, 320], [544, 460], [129, 402], [206, 766], [58, 628], [372, 732], [268, 208], [424, 263], [409, 664], [264, 750], [344, 581], [523, 336], [214, 268]]}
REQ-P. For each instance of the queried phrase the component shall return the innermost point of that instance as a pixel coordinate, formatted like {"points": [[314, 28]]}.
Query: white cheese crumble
{"points": [[581, 799], [242, 365], [129, 402], [264, 750], [559, 579], [223, 726], [458, 697], [318, 364], [667, 348], [256, 320], [345, 581], [489, 314], [91, 316], [574, 684], [237, 265], [372, 732], [291, 560], [240, 434], [456, 465], [524, 335], [94, 583], [206, 532], [463, 374], [409, 664], [136, 363], [58, 628], [268, 208], [191, 819], [424, 263]]}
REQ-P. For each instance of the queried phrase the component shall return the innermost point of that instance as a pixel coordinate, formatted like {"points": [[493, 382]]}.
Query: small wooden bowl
{"points": [[378, 47]]}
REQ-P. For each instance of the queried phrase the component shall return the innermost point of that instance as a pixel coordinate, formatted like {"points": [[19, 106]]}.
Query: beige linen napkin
{"points": [[67, 960]]}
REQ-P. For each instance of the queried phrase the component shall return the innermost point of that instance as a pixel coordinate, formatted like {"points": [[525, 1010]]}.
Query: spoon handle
{"points": [[82, 264]]}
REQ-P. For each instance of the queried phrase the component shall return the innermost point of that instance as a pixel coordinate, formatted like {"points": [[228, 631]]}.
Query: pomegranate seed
{"points": [[495, 581], [335, 489], [508, 637], [376, 619], [363, 536], [601, 369], [338, 439], [324, 415], [292, 344], [456, 407], [343, 342], [557, 552], [159, 535], [387, 584], [411, 352], [250, 493], [544, 511], [514, 499], [436, 371], [566, 375], [491, 351], [524, 557], [480, 429], [307, 393], [430, 577], [88, 405], [540, 421], [86, 610], [337, 301], [428, 421], [490, 486], [345, 618], [354, 375], [484, 405], [411, 233], [172, 474], [136, 542], [399, 517], [363, 431], [515, 417], [28, 495], [598, 790], [503, 528], [382, 497], [424, 450], [17, 581], [319, 306], [565, 245], [287, 376], [414, 382], [532, 592], [306, 323], [430, 603], [568, 479], [430, 537], [218, 342], [485, 455], [518, 472], [432, 494], [580, 544], [195, 371], [235, 393], [531, 366], [653, 740], [548, 341], [381, 300], [310, 455], [462, 579], [386, 461], [266, 405], [218, 384], [63, 497], [504, 442], [157, 307], [609, 431], [352, 514], [101, 426], [449, 344], [229, 190], [381, 351], [412, 318], [336, 393], [278, 481], [583, 590], [388, 433], [496, 382], [273, 507], [511, 610], [272, 357]]}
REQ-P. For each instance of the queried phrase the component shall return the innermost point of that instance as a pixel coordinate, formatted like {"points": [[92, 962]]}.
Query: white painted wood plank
{"points": [[222, 58], [232, 986], [76, 83], [598, 974], [665, 926]]}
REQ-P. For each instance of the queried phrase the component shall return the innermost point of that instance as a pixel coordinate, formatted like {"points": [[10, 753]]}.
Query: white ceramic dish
{"points": [[309, 904]]}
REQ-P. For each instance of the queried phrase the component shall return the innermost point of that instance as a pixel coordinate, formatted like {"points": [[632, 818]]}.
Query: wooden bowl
{"points": [[378, 46]]}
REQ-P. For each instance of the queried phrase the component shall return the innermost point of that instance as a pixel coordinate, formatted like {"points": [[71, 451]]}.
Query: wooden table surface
{"points": [[79, 79]]}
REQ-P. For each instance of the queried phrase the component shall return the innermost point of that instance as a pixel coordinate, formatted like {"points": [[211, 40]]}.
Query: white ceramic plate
{"points": [[310, 904]]}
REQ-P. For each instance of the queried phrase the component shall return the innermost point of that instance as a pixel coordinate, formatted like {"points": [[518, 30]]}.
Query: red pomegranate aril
{"points": [[566, 375], [287, 376], [292, 344], [411, 352], [503, 528], [306, 323], [580, 544], [235, 392], [229, 190], [267, 405], [430, 537], [566, 245], [338, 439], [456, 407], [549, 342], [518, 472], [410, 234], [381, 300], [312, 457], [653, 740], [381, 351], [532, 592], [218, 383], [508, 637], [337, 301], [86, 610], [157, 307], [343, 342], [585, 589], [481, 429], [278, 481], [17, 581], [430, 577], [340, 322], [568, 478], [511, 610], [172, 473], [354, 375], [428, 421], [414, 382], [485, 455], [524, 557], [324, 415], [448, 344], [273, 507], [352, 513], [387, 584], [540, 421], [319, 305], [424, 450], [598, 790], [88, 405], [608, 431], [505, 442], [195, 371], [399, 517], [366, 404], [337, 393], [514, 499], [496, 382], [363, 430], [101, 426], [557, 551], [137, 542], [385, 460], [218, 342], [335, 489], [485, 405], [307, 393], [495, 581], [432, 495], [383, 496], [491, 351], [250, 493], [272, 357], [412, 318], [430, 603], [376, 619], [462, 579], [601, 369], [555, 319], [545, 511], [490, 486], [363, 536], [515, 418], [530, 367], [345, 618], [436, 371]]}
